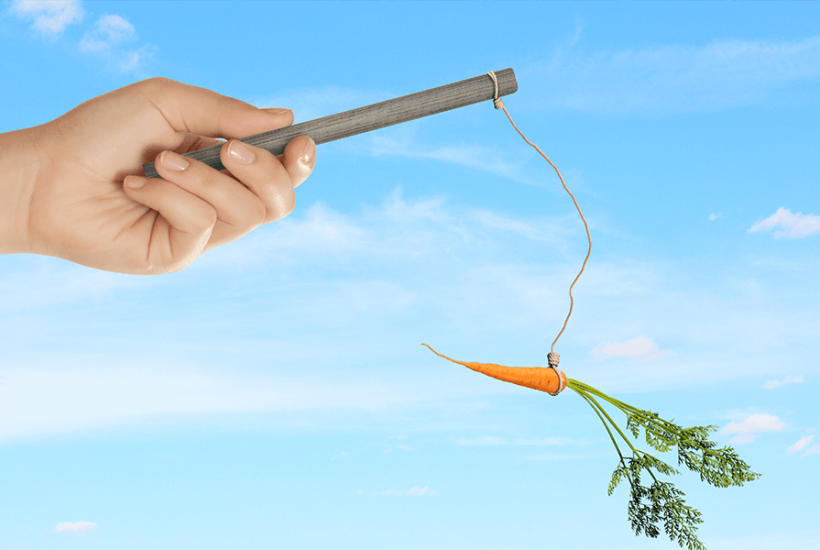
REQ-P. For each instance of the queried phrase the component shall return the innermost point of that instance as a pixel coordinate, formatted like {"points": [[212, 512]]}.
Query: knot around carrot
{"points": [[546, 379]]}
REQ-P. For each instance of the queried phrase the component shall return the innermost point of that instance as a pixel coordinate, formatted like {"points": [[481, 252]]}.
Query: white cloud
{"points": [[640, 348], [131, 61], [771, 384], [674, 78], [748, 428], [75, 527], [715, 216], [414, 491], [813, 450], [50, 16], [108, 39], [801, 444], [109, 30], [793, 226]]}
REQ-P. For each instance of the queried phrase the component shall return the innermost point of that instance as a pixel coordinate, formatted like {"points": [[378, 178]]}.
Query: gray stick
{"points": [[370, 117]]}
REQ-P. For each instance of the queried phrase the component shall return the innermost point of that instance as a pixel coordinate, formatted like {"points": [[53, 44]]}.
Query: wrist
{"points": [[19, 169]]}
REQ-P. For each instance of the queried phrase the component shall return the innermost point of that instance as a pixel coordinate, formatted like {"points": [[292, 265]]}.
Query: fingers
{"points": [[183, 229], [270, 178], [204, 112], [257, 188]]}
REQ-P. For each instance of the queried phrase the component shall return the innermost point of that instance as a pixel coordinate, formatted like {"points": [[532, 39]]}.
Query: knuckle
{"points": [[157, 82], [204, 219], [284, 205]]}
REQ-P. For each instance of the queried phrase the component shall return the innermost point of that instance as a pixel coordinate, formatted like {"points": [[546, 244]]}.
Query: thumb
{"points": [[204, 112]]}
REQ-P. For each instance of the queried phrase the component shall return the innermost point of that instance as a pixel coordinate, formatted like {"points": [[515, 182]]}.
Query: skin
{"points": [[68, 187]]}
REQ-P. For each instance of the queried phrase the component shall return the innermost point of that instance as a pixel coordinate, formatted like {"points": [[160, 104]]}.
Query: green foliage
{"points": [[661, 503]]}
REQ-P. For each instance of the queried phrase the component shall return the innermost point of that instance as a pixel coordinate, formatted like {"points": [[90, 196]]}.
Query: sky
{"points": [[275, 394]]}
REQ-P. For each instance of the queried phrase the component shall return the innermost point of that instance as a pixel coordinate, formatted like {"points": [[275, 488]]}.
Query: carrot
{"points": [[661, 504], [549, 380]]}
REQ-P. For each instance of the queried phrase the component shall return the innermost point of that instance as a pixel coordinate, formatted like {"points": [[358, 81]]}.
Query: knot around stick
{"points": [[498, 103]]}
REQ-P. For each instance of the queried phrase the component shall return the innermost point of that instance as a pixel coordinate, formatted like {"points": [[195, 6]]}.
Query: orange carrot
{"points": [[543, 379]]}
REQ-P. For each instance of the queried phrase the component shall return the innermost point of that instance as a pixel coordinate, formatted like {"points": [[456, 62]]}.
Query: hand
{"points": [[82, 205]]}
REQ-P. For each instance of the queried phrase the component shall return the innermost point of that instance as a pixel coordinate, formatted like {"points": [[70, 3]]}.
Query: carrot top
{"points": [[661, 503]]}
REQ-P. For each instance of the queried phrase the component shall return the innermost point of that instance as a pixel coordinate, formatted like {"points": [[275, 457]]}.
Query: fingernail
{"points": [[240, 153], [173, 161], [308, 155], [135, 182], [276, 110]]}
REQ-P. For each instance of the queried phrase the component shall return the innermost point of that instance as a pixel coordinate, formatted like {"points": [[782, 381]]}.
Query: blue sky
{"points": [[274, 394]]}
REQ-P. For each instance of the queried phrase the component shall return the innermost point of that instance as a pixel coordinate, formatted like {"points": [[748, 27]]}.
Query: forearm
{"points": [[20, 162]]}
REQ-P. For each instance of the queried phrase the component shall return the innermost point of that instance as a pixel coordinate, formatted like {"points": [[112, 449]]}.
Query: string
{"points": [[552, 357]]}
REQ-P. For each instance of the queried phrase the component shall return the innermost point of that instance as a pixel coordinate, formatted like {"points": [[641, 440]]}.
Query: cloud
{"points": [[794, 226], [109, 30], [748, 428], [813, 450], [640, 348], [414, 491], [478, 157], [108, 39], [771, 384], [49, 400], [801, 444], [329, 299], [50, 17], [715, 216], [75, 527], [674, 78]]}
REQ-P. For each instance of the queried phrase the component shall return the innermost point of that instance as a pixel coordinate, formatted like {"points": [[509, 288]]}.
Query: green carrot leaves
{"points": [[661, 503]]}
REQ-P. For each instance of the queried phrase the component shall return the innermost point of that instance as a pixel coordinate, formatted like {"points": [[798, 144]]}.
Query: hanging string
{"points": [[552, 357]]}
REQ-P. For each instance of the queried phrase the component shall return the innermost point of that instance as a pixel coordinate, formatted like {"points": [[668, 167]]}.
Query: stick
{"points": [[370, 117]]}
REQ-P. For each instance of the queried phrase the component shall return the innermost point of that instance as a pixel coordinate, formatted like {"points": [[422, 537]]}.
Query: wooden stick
{"points": [[370, 117]]}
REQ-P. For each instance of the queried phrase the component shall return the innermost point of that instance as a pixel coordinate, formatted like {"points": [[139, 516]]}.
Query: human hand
{"points": [[77, 207]]}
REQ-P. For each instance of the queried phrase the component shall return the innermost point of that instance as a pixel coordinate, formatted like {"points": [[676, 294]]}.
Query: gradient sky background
{"points": [[275, 395]]}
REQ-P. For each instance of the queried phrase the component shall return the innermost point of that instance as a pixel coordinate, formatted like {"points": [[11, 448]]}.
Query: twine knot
{"points": [[552, 359], [498, 103]]}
